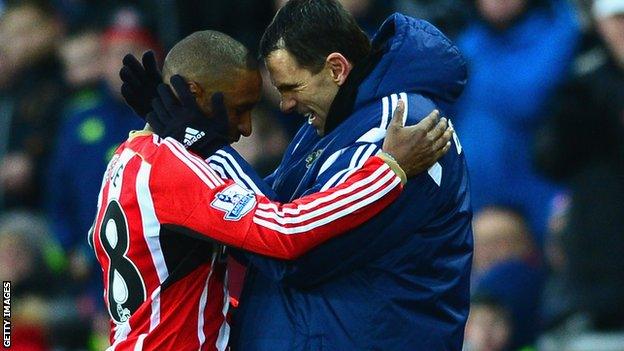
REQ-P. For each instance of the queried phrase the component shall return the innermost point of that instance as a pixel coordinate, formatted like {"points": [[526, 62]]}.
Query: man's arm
{"points": [[229, 164], [364, 243], [191, 198], [360, 245]]}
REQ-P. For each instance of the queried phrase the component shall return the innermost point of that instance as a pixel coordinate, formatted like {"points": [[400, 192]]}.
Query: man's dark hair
{"points": [[312, 29]]}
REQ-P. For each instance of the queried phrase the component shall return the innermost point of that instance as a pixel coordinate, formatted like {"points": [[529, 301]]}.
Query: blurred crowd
{"points": [[541, 122]]}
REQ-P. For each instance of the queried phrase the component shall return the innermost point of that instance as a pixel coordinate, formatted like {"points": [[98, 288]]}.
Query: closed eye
{"points": [[244, 108], [287, 87]]}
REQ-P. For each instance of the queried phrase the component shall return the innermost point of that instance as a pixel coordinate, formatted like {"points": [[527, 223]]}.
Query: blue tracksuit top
{"points": [[400, 281]]}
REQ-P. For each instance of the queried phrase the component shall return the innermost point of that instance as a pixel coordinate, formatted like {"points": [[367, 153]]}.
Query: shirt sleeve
{"points": [[229, 164], [190, 197]]}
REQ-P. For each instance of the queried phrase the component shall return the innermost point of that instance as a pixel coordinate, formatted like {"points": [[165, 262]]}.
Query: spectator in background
{"points": [[31, 92], [489, 325], [44, 315], [81, 13], [368, 13], [22, 263], [518, 53], [448, 15], [500, 235], [96, 122], [80, 53], [264, 148], [243, 20], [555, 305], [583, 146], [505, 268]]}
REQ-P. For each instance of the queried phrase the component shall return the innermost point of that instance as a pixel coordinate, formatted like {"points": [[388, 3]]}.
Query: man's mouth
{"points": [[310, 117]]}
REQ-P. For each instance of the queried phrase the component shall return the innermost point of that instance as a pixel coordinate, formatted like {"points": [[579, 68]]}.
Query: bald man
{"points": [[163, 214], [213, 62]]}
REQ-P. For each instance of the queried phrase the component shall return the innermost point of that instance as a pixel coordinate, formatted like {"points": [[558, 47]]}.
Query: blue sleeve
{"points": [[228, 163], [360, 246], [269, 180]]}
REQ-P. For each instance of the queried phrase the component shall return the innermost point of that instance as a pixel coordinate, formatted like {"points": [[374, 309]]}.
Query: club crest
{"points": [[312, 157]]}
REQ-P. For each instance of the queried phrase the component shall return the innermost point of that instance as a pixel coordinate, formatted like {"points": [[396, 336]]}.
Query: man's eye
{"points": [[288, 88]]}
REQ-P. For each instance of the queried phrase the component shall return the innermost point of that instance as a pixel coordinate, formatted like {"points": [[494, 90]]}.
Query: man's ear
{"points": [[200, 96], [196, 89], [339, 67]]}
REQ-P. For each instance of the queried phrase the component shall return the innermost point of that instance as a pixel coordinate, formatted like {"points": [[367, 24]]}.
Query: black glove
{"points": [[184, 121], [140, 82]]}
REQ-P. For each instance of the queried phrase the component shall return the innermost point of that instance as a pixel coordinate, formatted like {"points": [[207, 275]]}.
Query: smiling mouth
{"points": [[310, 117]]}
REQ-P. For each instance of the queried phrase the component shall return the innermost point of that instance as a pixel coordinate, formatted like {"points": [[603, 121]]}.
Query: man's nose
{"points": [[287, 104]]}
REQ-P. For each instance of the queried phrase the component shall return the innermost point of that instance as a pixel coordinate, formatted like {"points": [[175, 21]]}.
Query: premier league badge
{"points": [[235, 201]]}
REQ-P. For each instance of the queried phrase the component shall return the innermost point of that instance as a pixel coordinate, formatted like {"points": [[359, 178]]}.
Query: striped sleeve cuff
{"points": [[394, 165]]}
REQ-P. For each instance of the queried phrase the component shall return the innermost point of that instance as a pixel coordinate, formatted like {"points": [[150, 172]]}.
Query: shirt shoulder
{"points": [[145, 144]]}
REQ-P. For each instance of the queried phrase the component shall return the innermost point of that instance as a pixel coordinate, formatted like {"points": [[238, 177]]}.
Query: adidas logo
{"points": [[191, 136]]}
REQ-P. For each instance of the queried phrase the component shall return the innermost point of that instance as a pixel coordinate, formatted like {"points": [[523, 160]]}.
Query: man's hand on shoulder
{"points": [[416, 148]]}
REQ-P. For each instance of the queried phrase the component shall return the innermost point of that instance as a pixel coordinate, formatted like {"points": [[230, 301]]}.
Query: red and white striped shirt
{"points": [[162, 213]]}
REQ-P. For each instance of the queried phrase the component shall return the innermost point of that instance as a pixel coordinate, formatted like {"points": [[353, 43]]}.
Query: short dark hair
{"points": [[208, 56], [312, 29]]}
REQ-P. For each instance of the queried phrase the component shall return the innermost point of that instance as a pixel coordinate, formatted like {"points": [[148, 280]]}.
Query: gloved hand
{"points": [[184, 121], [140, 82]]}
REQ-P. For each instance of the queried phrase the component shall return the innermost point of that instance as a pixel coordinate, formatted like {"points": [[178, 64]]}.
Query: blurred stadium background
{"points": [[542, 123]]}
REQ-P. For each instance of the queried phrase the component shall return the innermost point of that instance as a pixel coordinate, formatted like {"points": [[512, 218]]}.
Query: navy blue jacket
{"points": [[400, 281]]}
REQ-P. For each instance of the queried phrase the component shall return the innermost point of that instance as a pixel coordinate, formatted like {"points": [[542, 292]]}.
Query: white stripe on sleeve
{"points": [[384, 113], [231, 173], [406, 104], [201, 175], [239, 171], [224, 331], [331, 218], [217, 168], [369, 151], [324, 207], [200, 163], [330, 161], [201, 336], [151, 225], [334, 179], [330, 197]]}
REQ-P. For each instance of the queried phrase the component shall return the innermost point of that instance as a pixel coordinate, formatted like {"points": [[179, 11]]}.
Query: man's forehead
{"points": [[281, 57], [246, 87], [282, 66]]}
